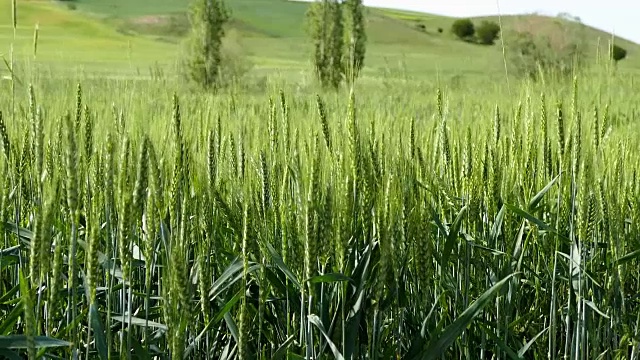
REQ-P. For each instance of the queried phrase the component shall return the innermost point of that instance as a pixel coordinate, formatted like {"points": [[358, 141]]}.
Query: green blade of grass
{"points": [[629, 257], [231, 275], [282, 350], [7, 296], [315, 320], [221, 314], [439, 345], [330, 278], [138, 321], [539, 223], [9, 355], [281, 265], [25, 234], [504, 347], [526, 346], [496, 229], [8, 260], [98, 333], [593, 306], [454, 230], [20, 342], [13, 76], [533, 203], [10, 320]]}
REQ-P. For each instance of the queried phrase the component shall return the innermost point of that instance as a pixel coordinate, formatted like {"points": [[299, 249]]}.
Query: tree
{"points": [[532, 54], [618, 53], [336, 43], [334, 53], [204, 44], [557, 49], [356, 37], [463, 29], [487, 32], [318, 20]]}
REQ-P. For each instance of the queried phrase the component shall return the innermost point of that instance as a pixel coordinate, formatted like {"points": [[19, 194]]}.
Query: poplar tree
{"points": [[338, 52], [318, 17], [356, 38], [204, 46], [326, 25], [336, 43]]}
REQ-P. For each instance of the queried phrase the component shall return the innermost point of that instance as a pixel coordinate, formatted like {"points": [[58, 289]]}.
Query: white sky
{"points": [[617, 16]]}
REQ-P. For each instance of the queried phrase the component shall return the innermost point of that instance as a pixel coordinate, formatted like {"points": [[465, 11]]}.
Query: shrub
{"points": [[559, 51], [618, 53], [440, 30], [487, 32], [463, 29], [421, 27]]}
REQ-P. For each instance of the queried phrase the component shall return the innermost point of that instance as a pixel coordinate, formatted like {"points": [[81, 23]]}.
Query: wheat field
{"points": [[140, 220]]}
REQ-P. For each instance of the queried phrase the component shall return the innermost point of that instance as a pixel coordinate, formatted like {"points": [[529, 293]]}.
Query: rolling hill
{"points": [[106, 35]]}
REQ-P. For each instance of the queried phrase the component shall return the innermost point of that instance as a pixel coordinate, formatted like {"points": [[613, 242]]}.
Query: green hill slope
{"points": [[68, 41], [139, 34]]}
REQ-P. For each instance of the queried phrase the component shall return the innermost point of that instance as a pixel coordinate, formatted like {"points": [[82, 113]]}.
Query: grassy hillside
{"points": [[548, 26], [126, 8], [132, 36], [67, 39], [534, 23], [275, 18]]}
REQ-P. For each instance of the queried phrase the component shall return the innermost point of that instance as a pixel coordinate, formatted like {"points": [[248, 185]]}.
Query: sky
{"points": [[617, 16]]}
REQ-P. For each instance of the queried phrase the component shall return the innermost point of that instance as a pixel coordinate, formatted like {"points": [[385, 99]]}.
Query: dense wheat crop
{"points": [[142, 223]]}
